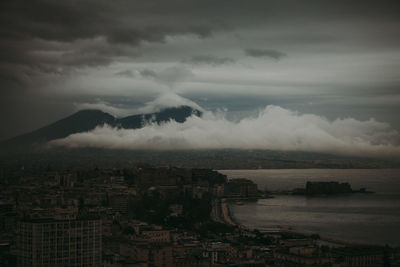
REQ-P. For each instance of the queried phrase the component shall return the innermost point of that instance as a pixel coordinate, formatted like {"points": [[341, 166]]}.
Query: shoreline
{"points": [[328, 239], [382, 206], [226, 213], [222, 213], [228, 218]]}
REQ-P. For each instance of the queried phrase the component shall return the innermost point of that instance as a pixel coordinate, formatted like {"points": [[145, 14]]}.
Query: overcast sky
{"points": [[333, 59]]}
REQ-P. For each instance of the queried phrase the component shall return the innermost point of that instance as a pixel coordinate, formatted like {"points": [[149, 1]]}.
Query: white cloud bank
{"points": [[274, 128]]}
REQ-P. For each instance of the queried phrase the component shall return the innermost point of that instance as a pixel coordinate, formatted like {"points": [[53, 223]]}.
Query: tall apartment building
{"points": [[59, 243]]}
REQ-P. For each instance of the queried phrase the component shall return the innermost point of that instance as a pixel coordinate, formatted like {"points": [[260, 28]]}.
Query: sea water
{"points": [[364, 218]]}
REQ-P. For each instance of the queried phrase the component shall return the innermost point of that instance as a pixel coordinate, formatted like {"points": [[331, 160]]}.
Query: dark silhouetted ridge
{"points": [[82, 121], [87, 120]]}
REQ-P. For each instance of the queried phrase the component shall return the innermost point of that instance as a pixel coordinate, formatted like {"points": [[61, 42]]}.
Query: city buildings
{"points": [[114, 218], [57, 243], [241, 188]]}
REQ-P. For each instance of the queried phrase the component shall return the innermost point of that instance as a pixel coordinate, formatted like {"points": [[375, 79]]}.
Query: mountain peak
{"points": [[179, 114], [91, 113]]}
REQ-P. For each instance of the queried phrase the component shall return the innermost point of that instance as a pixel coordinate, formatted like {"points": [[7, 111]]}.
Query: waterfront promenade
{"points": [[226, 213], [221, 213]]}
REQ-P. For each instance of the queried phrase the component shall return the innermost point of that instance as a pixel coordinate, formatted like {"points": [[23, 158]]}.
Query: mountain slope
{"points": [[178, 114], [87, 120]]}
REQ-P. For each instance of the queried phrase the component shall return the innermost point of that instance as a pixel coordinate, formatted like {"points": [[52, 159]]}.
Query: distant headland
{"points": [[327, 188]]}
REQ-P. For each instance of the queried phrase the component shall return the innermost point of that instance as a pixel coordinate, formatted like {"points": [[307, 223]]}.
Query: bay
{"points": [[364, 218]]}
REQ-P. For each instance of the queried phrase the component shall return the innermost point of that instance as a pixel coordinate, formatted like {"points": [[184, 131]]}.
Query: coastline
{"points": [[284, 229], [226, 214], [377, 214], [228, 218], [222, 213]]}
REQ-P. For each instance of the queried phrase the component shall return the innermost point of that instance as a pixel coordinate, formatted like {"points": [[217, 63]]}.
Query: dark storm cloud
{"points": [[119, 21], [46, 34], [129, 23], [209, 60], [269, 53]]}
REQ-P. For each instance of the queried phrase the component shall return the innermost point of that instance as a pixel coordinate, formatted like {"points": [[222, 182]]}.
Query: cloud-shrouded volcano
{"points": [[172, 122], [274, 128]]}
